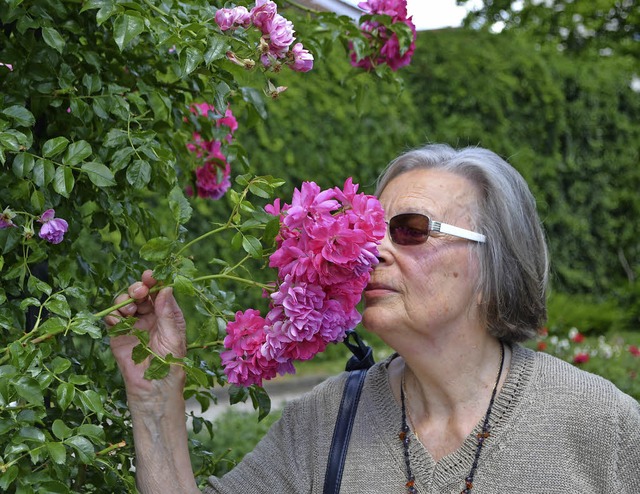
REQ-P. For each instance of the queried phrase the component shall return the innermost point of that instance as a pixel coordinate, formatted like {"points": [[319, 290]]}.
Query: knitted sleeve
{"points": [[628, 461], [292, 456]]}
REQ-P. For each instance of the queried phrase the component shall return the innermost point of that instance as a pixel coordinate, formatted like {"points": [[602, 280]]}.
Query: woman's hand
{"points": [[157, 407], [159, 315]]}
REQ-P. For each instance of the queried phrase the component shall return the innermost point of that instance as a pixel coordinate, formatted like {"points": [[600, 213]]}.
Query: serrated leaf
{"points": [[99, 174], [261, 189], [76, 153], [157, 369], [63, 181], [20, 116], [53, 325], [139, 174], [179, 205], [216, 50], [156, 249], [29, 389], [37, 287], [126, 28], [61, 430], [252, 246], [139, 353], [53, 39], [183, 285], [54, 147], [189, 60], [58, 305]]}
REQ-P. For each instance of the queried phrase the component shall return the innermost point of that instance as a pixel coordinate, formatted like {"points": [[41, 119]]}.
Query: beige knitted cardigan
{"points": [[555, 429]]}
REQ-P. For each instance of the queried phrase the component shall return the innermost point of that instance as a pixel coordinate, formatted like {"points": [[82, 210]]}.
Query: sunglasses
{"points": [[414, 229]]}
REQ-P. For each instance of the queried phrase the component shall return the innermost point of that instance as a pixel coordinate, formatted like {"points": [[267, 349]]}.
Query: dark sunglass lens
{"points": [[409, 229]]}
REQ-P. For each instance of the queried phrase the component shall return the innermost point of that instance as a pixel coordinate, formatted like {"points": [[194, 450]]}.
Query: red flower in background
{"points": [[634, 350], [581, 358]]}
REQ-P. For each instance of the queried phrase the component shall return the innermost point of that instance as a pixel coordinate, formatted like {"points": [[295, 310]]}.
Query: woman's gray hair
{"points": [[514, 262]]}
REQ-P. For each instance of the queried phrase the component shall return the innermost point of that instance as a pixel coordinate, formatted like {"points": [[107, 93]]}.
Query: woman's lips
{"points": [[378, 288]]}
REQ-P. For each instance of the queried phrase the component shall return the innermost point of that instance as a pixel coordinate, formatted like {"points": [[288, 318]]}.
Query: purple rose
{"points": [[53, 229]]}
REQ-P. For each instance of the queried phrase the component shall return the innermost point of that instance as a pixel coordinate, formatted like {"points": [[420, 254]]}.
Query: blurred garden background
{"points": [[95, 115]]}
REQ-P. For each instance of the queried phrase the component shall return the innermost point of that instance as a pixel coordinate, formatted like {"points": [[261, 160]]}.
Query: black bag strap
{"points": [[358, 365]]}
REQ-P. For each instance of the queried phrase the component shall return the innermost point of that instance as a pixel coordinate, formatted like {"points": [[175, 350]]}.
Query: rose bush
{"points": [[116, 117]]}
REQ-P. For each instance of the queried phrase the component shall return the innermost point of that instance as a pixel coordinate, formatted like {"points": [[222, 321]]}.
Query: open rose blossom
{"points": [[53, 229], [384, 45], [325, 252], [276, 40]]}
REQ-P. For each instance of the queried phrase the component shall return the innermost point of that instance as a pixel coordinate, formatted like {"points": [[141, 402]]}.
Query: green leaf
{"points": [[189, 60], [65, 394], [57, 452], [60, 365], [53, 39], [252, 246], [179, 205], [76, 153], [183, 285], [91, 401], [29, 302], [92, 82], [217, 49], [37, 287], [85, 323], [99, 174], [20, 115], [63, 181], [29, 434], [83, 447], [60, 429], [157, 369], [126, 28], [261, 189], [37, 200], [139, 174], [261, 401], [54, 147], [58, 305], [53, 325], [8, 477], [92, 431], [9, 141], [156, 249], [139, 353], [29, 389], [22, 164]]}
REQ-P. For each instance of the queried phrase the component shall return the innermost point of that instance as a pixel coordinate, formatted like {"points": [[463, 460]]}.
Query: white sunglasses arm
{"points": [[437, 226]]}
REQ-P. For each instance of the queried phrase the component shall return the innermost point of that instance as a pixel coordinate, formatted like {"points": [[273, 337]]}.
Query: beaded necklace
{"points": [[481, 436]]}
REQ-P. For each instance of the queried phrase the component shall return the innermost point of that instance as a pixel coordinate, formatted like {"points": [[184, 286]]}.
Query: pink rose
{"points": [[302, 59]]}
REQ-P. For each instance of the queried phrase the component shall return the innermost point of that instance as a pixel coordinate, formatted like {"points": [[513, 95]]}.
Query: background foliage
{"points": [[92, 123]]}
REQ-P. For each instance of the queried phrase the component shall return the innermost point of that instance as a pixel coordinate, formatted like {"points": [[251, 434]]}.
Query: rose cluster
{"points": [[277, 36], [325, 251], [212, 177], [385, 46], [52, 229]]}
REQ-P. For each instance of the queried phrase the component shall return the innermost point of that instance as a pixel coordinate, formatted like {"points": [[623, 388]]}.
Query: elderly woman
{"points": [[460, 406]]}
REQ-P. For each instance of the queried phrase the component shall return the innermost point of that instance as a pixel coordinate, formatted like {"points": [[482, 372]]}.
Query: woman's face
{"points": [[429, 288]]}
